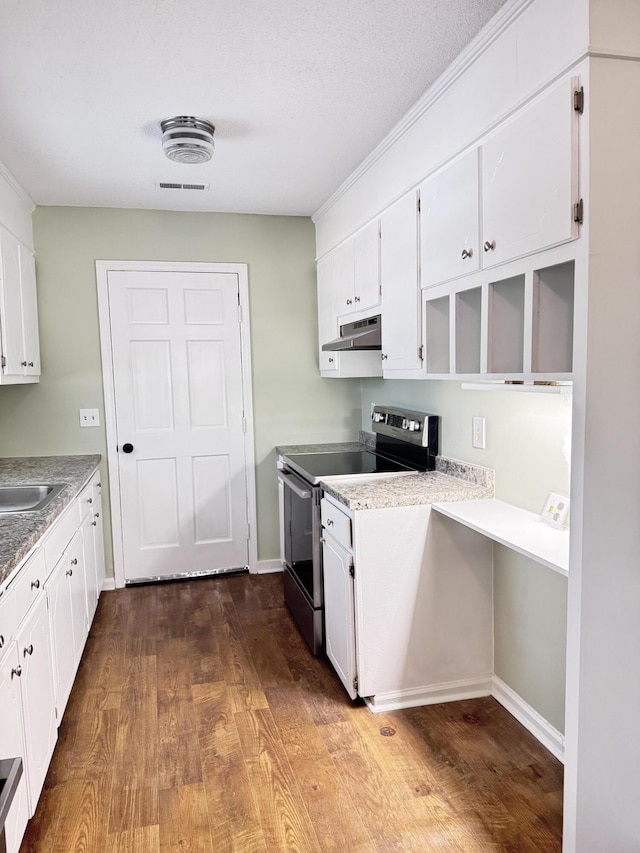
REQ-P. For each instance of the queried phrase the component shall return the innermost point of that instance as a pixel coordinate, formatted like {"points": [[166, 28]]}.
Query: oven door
{"points": [[301, 535]]}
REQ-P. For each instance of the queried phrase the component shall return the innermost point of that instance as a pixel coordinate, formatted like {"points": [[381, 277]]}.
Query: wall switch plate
{"points": [[89, 418], [478, 433]]}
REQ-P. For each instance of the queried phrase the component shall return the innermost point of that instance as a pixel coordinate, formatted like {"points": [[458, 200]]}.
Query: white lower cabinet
{"points": [[46, 609], [414, 625]]}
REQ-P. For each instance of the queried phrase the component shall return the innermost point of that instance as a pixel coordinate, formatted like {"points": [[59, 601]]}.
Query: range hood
{"points": [[360, 335]]}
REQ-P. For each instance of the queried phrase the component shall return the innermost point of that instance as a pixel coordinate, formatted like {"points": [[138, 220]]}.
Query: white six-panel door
{"points": [[177, 378]]}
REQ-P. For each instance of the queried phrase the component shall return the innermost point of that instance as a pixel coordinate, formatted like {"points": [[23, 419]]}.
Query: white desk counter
{"points": [[514, 527]]}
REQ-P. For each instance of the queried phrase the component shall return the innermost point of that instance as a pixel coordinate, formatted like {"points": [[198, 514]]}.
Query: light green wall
{"points": [[528, 439], [292, 404]]}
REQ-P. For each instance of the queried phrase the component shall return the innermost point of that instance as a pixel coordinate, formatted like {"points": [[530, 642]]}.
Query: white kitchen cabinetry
{"points": [[420, 616], [450, 221], [46, 608], [18, 313], [517, 326], [357, 271], [529, 179], [399, 265]]}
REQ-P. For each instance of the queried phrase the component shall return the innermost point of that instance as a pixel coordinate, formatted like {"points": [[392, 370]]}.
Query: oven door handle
{"points": [[290, 483]]}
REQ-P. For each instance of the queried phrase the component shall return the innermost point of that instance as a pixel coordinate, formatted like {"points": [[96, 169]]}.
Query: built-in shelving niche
{"points": [[517, 326]]}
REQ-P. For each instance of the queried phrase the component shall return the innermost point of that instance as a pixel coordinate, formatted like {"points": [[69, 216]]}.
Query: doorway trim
{"points": [[103, 268]]}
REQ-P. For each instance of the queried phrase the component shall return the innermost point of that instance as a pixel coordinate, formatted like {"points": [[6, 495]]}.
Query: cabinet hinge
{"points": [[352, 571], [420, 353], [355, 683], [578, 212], [578, 100]]}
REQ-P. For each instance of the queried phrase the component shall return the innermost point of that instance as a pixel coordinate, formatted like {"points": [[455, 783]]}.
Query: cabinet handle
{"points": [[69, 572], [28, 650], [329, 522], [357, 299], [1, 641], [384, 356], [96, 515], [349, 301], [99, 485], [17, 670], [30, 364], [467, 253], [489, 246], [23, 363], [35, 584], [331, 360], [89, 500], [74, 562], [94, 523]]}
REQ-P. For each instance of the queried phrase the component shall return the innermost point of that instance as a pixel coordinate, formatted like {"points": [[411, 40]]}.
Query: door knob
{"points": [[127, 447]]}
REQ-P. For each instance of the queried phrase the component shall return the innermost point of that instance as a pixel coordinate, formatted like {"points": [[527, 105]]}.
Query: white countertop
{"points": [[516, 528]]}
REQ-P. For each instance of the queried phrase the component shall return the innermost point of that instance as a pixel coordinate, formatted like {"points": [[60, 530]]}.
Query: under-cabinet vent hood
{"points": [[360, 335]]}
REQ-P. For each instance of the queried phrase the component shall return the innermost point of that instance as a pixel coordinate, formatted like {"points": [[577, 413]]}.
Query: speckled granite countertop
{"points": [[19, 531], [367, 442]]}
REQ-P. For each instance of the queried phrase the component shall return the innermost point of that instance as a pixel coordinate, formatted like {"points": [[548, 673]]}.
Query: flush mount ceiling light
{"points": [[187, 139]]}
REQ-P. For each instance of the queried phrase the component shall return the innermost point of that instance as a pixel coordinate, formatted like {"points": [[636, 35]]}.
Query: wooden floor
{"points": [[200, 722]]}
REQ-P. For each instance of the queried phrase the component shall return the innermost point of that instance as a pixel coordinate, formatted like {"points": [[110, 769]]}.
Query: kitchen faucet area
{"points": [[318, 454]]}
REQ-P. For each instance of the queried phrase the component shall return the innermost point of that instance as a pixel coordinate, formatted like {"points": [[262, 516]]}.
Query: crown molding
{"points": [[18, 189], [500, 22]]}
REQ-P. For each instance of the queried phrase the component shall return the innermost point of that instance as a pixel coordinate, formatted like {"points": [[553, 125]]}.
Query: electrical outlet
{"points": [[478, 433], [89, 418]]}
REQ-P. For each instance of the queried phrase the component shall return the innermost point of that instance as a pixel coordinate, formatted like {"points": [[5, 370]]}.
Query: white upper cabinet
{"points": [[357, 271], [400, 289], [18, 313], [529, 179], [449, 221], [327, 319]]}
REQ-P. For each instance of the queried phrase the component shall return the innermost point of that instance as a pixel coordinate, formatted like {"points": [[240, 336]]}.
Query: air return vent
{"points": [[166, 185]]}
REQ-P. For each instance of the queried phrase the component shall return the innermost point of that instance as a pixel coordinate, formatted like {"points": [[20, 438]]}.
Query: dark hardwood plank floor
{"points": [[199, 722]]}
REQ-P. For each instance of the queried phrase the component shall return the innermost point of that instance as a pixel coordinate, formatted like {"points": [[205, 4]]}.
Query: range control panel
{"points": [[405, 424]]}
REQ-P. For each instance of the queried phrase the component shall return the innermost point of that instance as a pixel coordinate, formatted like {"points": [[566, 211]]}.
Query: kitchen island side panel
{"points": [[424, 600]]}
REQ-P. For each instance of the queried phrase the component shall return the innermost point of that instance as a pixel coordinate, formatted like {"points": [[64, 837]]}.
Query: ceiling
{"points": [[300, 92]]}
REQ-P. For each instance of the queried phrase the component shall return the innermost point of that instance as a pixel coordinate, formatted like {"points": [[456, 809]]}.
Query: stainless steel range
{"points": [[406, 442]]}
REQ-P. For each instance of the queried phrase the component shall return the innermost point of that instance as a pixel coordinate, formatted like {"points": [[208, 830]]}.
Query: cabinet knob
{"points": [[357, 299], [489, 246], [467, 253], [89, 500], [94, 523], [97, 515], [331, 360], [35, 584], [30, 364], [28, 650], [74, 562], [349, 301], [329, 522], [1, 640], [69, 572], [99, 485], [17, 670], [384, 356], [23, 363]]}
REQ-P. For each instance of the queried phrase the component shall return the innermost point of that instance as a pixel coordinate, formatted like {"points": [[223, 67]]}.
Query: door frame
{"points": [[103, 268]]}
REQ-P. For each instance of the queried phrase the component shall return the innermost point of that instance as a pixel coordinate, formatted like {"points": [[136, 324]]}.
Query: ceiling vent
{"points": [[171, 185], [187, 139]]}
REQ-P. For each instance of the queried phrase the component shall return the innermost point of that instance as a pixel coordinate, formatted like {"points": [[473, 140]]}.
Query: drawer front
{"points": [[60, 536], [8, 619], [29, 584], [336, 522]]}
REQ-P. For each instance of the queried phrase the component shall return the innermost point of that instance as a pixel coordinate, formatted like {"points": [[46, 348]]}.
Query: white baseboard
{"points": [[450, 691], [266, 567], [529, 717], [108, 584]]}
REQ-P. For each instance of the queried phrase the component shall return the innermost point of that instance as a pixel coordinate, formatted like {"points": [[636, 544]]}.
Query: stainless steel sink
{"points": [[28, 498]]}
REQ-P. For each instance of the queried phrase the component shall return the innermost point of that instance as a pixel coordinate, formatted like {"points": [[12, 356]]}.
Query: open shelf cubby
{"points": [[468, 308], [552, 338], [506, 325], [437, 337]]}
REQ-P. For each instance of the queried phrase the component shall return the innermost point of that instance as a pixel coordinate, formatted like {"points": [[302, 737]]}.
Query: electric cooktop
{"points": [[319, 466]]}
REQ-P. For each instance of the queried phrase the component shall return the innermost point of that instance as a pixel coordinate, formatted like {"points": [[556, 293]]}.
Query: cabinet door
{"points": [[344, 277], [98, 541], [60, 606], [31, 342], [34, 651], [366, 266], [339, 614], [528, 180], [75, 571], [327, 317], [449, 222], [89, 527], [12, 745], [400, 287], [11, 306]]}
